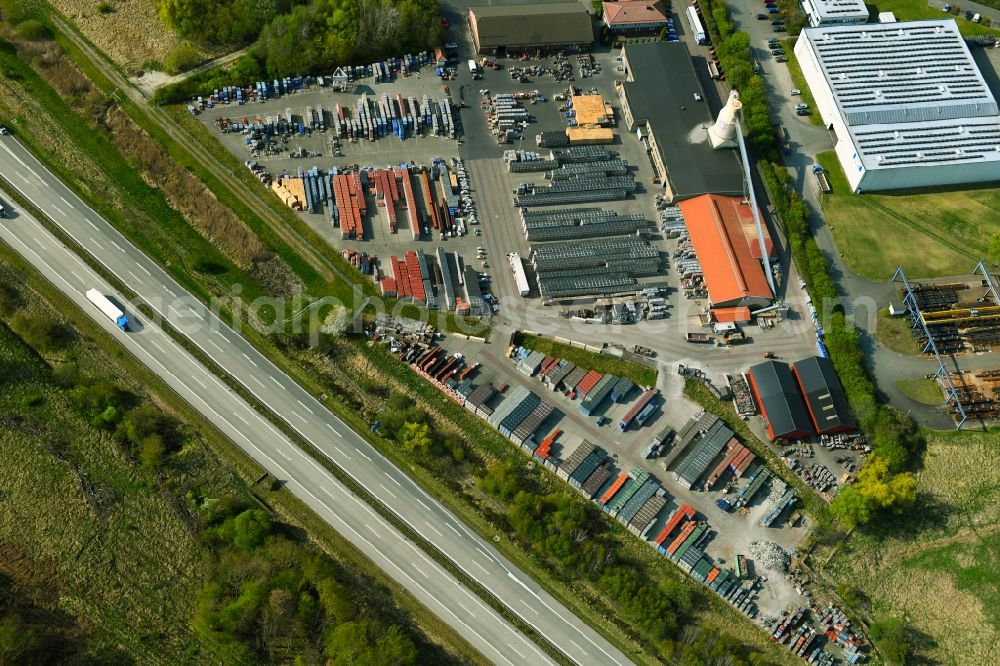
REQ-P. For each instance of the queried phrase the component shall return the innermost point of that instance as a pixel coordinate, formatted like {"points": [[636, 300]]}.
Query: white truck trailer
{"points": [[110, 310]]}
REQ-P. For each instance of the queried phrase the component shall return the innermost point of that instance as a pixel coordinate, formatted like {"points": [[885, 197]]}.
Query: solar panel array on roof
{"points": [[909, 95]]}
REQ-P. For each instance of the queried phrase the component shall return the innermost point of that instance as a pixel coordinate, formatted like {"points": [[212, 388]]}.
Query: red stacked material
{"points": [[683, 511], [545, 448], [350, 204], [615, 487], [411, 202], [388, 287], [731, 454], [682, 537], [712, 575], [425, 189], [742, 467], [416, 281], [588, 382]]}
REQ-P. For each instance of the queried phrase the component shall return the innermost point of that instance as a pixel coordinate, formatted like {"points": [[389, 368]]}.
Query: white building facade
{"points": [[833, 12], [906, 101]]}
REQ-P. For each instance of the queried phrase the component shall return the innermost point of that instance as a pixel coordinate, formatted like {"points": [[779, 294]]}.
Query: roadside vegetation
{"points": [[135, 534], [640, 375], [924, 391], [294, 38], [895, 333], [954, 228]]}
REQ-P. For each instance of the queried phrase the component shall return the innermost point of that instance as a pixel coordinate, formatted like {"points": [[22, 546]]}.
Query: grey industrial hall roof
{"points": [[780, 398], [664, 82], [910, 93], [533, 24], [838, 10], [823, 392]]}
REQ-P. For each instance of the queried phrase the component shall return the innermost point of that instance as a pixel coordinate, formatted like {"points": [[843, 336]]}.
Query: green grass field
{"points": [[924, 391], [894, 333], [929, 233], [639, 374], [935, 567], [914, 10]]}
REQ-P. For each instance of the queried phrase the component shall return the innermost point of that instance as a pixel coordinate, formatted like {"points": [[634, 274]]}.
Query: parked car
{"points": [[761, 17], [777, 52], [795, 91], [779, 28], [800, 106], [777, 22], [4, 131], [773, 10], [781, 59]]}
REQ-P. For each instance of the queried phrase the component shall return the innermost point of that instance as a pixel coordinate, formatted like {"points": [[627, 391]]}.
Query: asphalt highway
{"points": [[498, 640]]}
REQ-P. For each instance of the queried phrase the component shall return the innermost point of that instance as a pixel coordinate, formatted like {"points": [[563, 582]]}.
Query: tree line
{"points": [[292, 37]]}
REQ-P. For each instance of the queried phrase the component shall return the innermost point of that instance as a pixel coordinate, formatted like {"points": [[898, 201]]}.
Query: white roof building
{"points": [[906, 101], [828, 12]]}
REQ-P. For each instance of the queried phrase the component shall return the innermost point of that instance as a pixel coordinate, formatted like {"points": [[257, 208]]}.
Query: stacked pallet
{"points": [[411, 201], [387, 191], [350, 200]]}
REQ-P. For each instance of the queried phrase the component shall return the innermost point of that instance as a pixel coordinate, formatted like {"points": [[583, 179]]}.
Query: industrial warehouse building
{"points": [[663, 101], [509, 28], [633, 16], [777, 393], [724, 237], [907, 102], [824, 395], [832, 12]]}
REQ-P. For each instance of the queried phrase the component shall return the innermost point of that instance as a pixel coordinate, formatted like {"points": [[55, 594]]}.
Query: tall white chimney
{"points": [[723, 133]]}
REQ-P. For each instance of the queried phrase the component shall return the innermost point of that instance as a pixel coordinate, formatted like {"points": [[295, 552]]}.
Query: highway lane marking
{"points": [[452, 528], [74, 274], [471, 614], [327, 491], [203, 384], [141, 267], [337, 449], [423, 573], [365, 455], [66, 202], [382, 486], [422, 503], [134, 276], [282, 454], [531, 608], [252, 362], [373, 531], [40, 243], [212, 342], [96, 243], [241, 418], [60, 210], [436, 530], [484, 553], [299, 416], [512, 647], [157, 345], [335, 431], [22, 177], [481, 567], [393, 480], [118, 246], [257, 380], [271, 377], [24, 165], [302, 403], [577, 646], [92, 225]]}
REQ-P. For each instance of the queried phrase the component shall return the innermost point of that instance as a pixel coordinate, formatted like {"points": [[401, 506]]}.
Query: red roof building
{"points": [[724, 237], [634, 15]]}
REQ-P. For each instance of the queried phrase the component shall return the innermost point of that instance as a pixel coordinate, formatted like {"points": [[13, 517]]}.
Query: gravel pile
{"points": [[769, 555]]}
